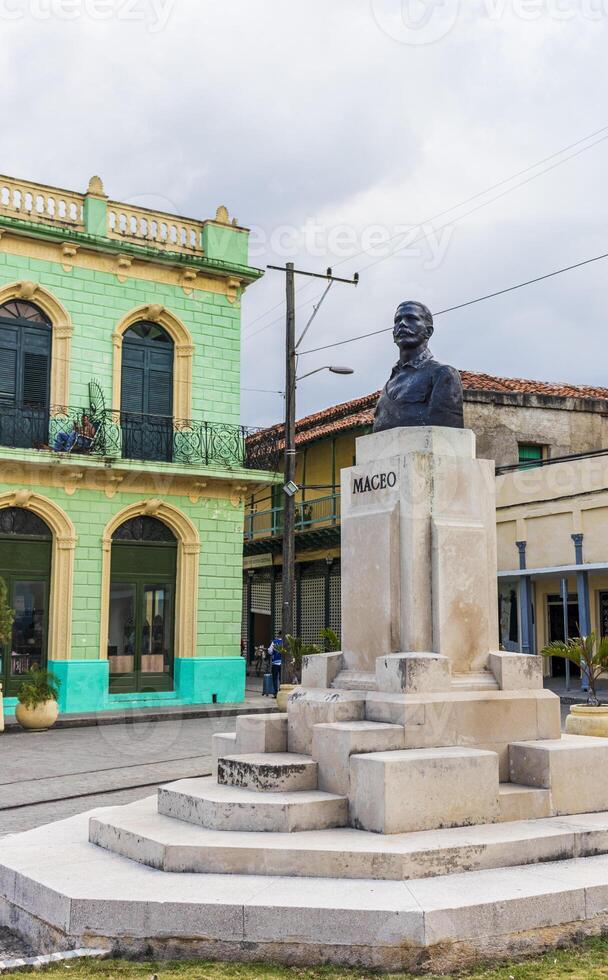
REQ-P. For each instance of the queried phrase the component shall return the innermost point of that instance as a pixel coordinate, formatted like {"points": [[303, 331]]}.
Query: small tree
{"points": [[331, 640], [7, 615], [589, 656], [297, 650]]}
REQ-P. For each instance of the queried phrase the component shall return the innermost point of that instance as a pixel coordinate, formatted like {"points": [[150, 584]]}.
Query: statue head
{"points": [[413, 325]]}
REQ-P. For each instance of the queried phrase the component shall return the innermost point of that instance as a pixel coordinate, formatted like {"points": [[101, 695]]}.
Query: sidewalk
{"points": [[574, 695], [253, 704]]}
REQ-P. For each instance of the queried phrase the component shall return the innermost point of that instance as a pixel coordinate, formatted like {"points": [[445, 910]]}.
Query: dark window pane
{"points": [[17, 520], [144, 529]]}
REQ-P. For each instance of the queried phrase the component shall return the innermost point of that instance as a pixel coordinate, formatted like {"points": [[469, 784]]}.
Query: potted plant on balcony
{"points": [[296, 650], [591, 657], [37, 695]]}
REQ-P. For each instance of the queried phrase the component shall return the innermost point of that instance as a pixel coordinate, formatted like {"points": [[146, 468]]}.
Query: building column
{"points": [[584, 605], [525, 603]]}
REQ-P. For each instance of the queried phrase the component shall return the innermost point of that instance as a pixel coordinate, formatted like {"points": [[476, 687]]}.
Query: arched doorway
{"points": [[141, 627], [25, 374], [147, 392], [25, 570]]}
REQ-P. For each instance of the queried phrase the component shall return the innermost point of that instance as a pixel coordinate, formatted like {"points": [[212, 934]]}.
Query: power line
{"points": [[455, 207], [266, 391], [470, 302]]}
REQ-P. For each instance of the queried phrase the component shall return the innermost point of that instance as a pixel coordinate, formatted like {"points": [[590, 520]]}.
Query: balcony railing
{"points": [[324, 511], [126, 435]]}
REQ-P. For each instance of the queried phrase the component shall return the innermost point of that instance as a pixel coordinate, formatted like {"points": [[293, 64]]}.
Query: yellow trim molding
{"points": [[182, 360], [186, 590], [62, 333], [147, 270], [62, 566]]}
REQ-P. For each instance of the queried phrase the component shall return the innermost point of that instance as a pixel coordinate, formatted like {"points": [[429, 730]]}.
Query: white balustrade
{"points": [[37, 202], [141, 226]]}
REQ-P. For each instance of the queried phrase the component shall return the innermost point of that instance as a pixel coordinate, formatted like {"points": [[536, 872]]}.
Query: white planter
{"points": [[37, 719]]}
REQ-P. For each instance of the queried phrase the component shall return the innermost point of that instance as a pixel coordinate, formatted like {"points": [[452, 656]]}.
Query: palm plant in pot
{"points": [[295, 650], [37, 695], [591, 656]]}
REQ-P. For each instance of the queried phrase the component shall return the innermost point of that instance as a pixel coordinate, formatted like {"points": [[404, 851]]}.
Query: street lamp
{"points": [[327, 367]]}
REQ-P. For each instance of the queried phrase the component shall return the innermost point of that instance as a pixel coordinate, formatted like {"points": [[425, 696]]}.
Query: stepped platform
{"points": [[63, 892], [139, 832]]}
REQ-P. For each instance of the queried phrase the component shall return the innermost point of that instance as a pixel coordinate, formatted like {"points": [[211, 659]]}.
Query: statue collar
{"points": [[422, 358]]}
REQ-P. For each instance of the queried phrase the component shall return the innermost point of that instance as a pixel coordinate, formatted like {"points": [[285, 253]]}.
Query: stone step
{"points": [[281, 772], [355, 680], [261, 733], [481, 680], [423, 789], [205, 802], [522, 802], [333, 743], [138, 832], [308, 707], [573, 767], [222, 744]]}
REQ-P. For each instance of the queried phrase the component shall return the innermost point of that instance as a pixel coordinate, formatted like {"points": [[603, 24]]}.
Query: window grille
{"points": [[261, 592], [312, 586], [335, 608]]}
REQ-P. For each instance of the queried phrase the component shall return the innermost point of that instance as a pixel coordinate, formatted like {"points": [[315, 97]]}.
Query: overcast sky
{"points": [[328, 127]]}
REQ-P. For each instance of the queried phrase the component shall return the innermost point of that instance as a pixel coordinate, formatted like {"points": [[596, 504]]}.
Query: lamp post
{"points": [[290, 486]]}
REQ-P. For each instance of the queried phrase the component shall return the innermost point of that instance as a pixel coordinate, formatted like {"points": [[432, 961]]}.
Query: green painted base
{"points": [[84, 685], [203, 680]]}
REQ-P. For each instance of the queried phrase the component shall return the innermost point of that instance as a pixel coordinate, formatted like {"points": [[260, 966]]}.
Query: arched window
{"points": [[142, 606], [25, 367], [147, 392], [25, 568]]}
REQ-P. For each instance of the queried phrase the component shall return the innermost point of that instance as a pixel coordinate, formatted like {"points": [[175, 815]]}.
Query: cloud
{"points": [[298, 114]]}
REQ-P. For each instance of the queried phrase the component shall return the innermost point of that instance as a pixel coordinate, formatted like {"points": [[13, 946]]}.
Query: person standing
{"points": [[275, 651]]}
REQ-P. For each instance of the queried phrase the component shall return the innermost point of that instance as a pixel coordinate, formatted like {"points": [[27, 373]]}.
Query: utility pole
{"points": [[289, 514], [290, 488]]}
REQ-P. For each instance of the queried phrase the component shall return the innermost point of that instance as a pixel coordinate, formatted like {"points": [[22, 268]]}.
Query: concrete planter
{"points": [[37, 719], [284, 692], [584, 719]]}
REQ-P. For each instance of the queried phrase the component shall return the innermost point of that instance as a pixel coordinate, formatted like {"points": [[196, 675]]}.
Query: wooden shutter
{"points": [[36, 364], [133, 379], [8, 364], [160, 385]]}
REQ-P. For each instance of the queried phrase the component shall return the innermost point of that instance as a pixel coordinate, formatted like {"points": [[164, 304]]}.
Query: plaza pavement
{"points": [[48, 776]]}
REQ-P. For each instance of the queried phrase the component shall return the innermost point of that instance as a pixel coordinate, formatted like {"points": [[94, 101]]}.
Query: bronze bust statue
{"points": [[420, 390]]}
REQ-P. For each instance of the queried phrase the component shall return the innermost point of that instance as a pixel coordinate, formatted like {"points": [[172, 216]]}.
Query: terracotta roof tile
{"points": [[360, 411]]}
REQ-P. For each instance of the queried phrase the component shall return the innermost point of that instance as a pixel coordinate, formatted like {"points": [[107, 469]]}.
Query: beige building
{"points": [[552, 525]]}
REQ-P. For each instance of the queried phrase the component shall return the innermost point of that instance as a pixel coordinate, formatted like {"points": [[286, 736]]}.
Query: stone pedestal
{"points": [[419, 549]]}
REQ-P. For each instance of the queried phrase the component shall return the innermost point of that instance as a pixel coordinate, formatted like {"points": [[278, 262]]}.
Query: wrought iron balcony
{"points": [[113, 434], [321, 512]]}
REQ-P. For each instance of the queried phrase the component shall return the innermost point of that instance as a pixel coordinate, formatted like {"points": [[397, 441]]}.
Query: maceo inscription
{"points": [[379, 481]]}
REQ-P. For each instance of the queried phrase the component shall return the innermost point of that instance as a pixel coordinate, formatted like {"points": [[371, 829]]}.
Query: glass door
{"points": [[140, 635], [28, 598]]}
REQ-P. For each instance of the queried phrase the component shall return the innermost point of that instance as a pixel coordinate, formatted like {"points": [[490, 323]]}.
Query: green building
{"points": [[123, 464]]}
